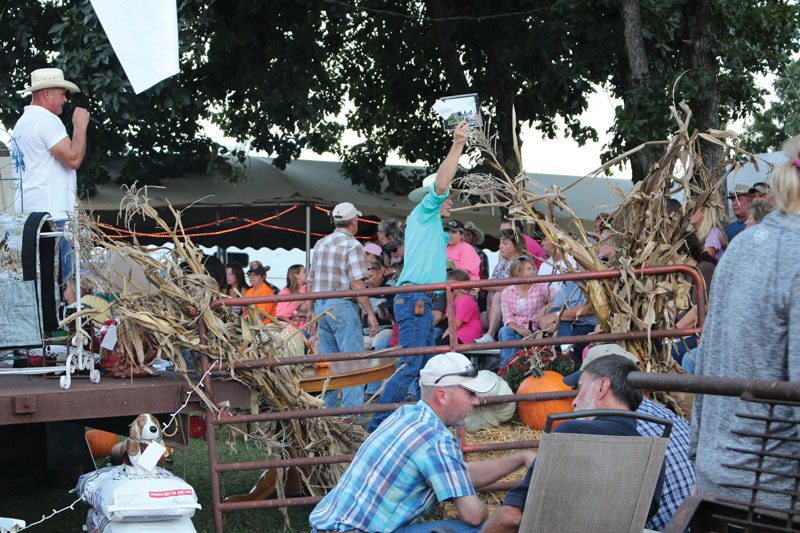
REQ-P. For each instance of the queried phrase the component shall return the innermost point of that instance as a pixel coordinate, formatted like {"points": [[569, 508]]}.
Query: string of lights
{"points": [[475, 18], [123, 233], [328, 211]]}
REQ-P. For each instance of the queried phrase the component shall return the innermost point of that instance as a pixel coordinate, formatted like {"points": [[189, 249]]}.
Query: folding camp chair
{"points": [[590, 483]]}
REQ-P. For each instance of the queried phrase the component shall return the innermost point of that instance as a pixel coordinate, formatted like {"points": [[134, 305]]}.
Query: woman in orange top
{"points": [[257, 275]]}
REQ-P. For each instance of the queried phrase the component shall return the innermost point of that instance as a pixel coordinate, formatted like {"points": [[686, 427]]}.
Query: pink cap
{"points": [[372, 248]]}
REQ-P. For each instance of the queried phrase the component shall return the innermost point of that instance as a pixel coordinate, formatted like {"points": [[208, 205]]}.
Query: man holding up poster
{"points": [[425, 261]]}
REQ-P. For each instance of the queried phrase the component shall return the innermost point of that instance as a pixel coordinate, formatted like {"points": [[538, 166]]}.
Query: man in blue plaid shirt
{"points": [[680, 475], [412, 460]]}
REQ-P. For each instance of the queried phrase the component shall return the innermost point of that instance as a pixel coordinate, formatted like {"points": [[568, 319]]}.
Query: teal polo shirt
{"points": [[424, 258]]}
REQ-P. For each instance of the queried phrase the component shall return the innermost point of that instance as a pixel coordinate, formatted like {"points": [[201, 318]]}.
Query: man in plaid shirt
{"points": [[338, 264], [412, 460], [679, 471]]}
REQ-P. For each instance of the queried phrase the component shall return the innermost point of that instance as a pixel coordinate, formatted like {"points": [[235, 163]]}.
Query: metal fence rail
{"points": [[216, 468]]}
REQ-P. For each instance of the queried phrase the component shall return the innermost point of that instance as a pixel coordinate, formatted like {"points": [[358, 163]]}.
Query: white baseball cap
{"points": [[345, 211], [452, 368]]}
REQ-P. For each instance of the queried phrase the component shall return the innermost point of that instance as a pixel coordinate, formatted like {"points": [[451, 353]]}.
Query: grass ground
{"points": [[32, 500]]}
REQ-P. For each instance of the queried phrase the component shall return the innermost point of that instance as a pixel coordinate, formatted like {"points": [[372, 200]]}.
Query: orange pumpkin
{"points": [[534, 414], [101, 442]]}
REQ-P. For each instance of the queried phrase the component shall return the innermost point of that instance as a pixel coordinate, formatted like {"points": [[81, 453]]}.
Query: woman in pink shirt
{"points": [[468, 316], [520, 304], [709, 232], [295, 311], [461, 254]]}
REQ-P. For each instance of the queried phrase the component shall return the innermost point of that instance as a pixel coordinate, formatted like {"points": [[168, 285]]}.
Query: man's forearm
{"points": [[364, 301], [484, 472], [449, 167], [79, 145], [574, 313]]}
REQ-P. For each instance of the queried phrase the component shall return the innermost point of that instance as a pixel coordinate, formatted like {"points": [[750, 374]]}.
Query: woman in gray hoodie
{"points": [[753, 331]]}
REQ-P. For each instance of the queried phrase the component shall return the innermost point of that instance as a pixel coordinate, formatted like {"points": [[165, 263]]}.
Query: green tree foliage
{"points": [[747, 39], [278, 77], [781, 120]]}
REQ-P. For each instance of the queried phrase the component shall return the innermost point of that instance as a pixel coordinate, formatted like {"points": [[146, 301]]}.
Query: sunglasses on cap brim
{"points": [[470, 372]]}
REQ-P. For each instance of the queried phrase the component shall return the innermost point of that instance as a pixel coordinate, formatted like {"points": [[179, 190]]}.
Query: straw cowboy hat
{"points": [[419, 193], [49, 78]]}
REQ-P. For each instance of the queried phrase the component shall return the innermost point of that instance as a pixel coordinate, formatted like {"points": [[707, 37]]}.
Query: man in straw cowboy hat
{"points": [[46, 158], [425, 261]]}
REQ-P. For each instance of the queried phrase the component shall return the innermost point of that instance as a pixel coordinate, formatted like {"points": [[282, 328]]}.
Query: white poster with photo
{"points": [[144, 35]]}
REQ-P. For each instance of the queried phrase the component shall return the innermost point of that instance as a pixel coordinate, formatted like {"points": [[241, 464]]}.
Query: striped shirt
{"points": [[410, 461], [679, 475], [337, 260]]}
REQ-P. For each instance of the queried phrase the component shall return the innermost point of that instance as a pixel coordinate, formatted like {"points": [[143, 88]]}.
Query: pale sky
{"points": [[558, 156], [546, 156]]}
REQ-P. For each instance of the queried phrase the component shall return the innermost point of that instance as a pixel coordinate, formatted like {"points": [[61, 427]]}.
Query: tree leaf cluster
{"points": [[781, 120], [283, 77]]}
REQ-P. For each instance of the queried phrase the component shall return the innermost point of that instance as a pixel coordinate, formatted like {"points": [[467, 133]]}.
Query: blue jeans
{"points": [[569, 328], [679, 347], [382, 344], [507, 334], [64, 254], [456, 525], [341, 334], [414, 332], [690, 360]]}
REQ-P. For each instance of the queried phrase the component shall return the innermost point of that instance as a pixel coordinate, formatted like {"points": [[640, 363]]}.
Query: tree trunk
{"points": [[699, 59], [637, 71], [453, 69], [634, 39]]}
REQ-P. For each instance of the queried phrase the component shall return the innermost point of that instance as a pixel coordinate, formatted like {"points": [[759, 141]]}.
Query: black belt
{"points": [[429, 293]]}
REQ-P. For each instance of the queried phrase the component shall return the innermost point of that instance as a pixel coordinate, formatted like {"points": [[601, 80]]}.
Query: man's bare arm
{"points": [[471, 509], [484, 472], [372, 320], [448, 168], [68, 151]]}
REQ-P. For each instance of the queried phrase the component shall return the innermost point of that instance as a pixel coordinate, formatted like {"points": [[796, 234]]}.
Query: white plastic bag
{"points": [[488, 416], [96, 522], [138, 498]]}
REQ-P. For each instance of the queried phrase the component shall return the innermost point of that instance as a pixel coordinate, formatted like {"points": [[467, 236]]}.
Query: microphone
{"points": [[68, 108]]}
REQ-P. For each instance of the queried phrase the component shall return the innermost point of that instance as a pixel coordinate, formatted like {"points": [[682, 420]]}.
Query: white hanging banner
{"points": [[144, 35]]}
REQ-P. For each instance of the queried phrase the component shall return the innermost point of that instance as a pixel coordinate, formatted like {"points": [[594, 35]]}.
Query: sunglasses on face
{"points": [[470, 372]]}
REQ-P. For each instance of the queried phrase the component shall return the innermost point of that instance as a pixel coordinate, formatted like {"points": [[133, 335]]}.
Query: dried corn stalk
{"points": [[643, 235], [166, 315]]}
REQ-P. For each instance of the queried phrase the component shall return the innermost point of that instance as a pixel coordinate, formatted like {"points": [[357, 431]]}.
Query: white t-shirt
{"points": [[47, 184]]}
